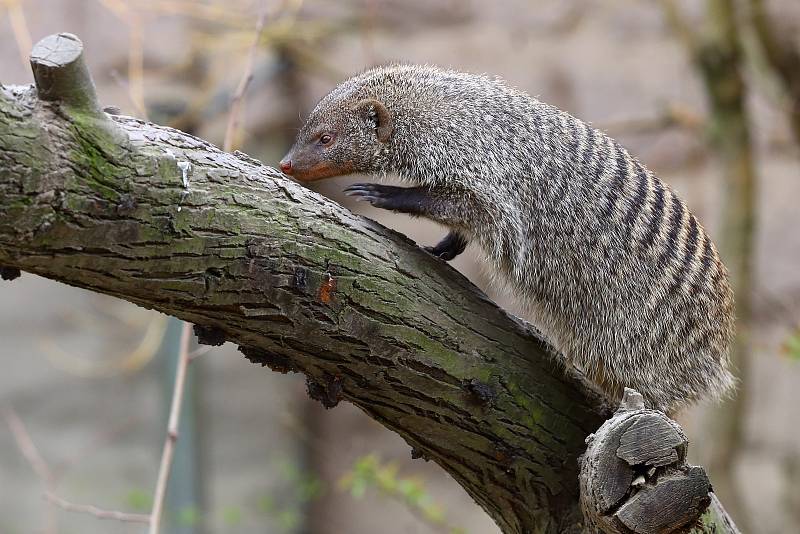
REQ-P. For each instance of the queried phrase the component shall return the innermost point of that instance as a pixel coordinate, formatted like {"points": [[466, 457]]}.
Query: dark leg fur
{"points": [[420, 201], [411, 200]]}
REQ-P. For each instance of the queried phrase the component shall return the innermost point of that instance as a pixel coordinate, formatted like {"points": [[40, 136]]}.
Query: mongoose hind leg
{"points": [[451, 246]]}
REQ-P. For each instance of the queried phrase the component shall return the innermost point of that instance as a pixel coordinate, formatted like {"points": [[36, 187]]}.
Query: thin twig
{"points": [[136, 65], [247, 77], [16, 16], [196, 353], [172, 430], [135, 85], [31, 453], [27, 447], [671, 116], [217, 12], [95, 511], [680, 26]]}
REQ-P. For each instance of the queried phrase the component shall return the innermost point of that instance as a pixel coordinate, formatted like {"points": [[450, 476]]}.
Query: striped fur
{"points": [[616, 272]]}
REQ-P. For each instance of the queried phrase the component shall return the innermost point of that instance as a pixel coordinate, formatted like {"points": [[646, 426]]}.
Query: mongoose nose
{"points": [[286, 166]]}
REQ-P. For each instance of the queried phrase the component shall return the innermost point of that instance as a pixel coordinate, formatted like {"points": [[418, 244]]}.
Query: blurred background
{"points": [[706, 93]]}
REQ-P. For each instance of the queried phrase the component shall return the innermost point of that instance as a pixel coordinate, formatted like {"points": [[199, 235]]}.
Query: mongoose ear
{"points": [[375, 111]]}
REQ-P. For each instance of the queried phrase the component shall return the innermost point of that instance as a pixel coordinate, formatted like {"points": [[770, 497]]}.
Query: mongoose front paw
{"points": [[387, 197], [448, 248]]}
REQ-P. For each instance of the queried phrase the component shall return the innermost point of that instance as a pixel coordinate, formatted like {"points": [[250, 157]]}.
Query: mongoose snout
{"points": [[615, 270]]}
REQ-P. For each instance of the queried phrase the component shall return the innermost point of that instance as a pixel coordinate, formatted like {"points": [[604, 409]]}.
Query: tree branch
{"points": [[634, 477], [94, 511], [167, 221], [165, 469]]}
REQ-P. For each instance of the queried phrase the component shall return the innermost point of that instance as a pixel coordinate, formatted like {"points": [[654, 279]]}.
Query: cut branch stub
{"points": [[62, 78], [634, 476], [60, 72]]}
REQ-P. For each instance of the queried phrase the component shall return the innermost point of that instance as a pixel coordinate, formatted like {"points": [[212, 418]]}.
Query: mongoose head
{"points": [[428, 125], [343, 135]]}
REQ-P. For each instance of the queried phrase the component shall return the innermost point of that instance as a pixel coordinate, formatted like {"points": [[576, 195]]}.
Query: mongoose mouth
{"points": [[319, 171]]}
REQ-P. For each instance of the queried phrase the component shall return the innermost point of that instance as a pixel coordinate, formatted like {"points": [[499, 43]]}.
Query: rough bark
{"points": [[167, 221]]}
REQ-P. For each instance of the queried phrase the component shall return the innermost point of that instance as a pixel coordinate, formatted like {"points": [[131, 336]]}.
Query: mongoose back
{"points": [[616, 272]]}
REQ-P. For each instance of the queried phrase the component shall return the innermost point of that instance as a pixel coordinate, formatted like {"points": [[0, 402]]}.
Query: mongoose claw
{"points": [[448, 248]]}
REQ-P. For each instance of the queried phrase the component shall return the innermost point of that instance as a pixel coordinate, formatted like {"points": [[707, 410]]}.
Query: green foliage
{"points": [[267, 504], [139, 500], [307, 486], [232, 515], [287, 509], [289, 519], [792, 345], [368, 472], [189, 516]]}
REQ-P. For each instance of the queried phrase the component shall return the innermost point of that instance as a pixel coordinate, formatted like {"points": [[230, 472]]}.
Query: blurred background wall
{"points": [[89, 376]]}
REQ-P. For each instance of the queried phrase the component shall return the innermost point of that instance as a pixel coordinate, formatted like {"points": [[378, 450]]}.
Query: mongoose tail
{"points": [[616, 272]]}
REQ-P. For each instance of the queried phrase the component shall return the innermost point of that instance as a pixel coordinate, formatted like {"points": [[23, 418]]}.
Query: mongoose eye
{"points": [[325, 139]]}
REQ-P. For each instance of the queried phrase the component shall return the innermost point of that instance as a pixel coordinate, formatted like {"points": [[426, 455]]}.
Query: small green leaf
{"points": [[290, 470], [358, 488], [289, 519], [267, 504], [792, 345], [139, 500], [232, 515], [368, 472], [189, 516], [310, 489]]}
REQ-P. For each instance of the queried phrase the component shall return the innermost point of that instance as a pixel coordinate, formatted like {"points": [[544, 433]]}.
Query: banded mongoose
{"points": [[617, 273]]}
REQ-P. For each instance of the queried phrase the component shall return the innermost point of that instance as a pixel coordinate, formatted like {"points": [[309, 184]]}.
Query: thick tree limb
{"points": [[167, 221]]}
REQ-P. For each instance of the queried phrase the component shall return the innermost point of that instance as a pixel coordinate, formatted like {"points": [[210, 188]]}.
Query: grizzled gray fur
{"points": [[616, 272]]}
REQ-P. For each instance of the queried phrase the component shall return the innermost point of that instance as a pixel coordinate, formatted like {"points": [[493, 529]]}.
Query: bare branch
{"points": [[680, 25], [16, 16], [31, 453], [27, 447], [200, 351], [247, 76], [671, 116], [172, 431], [134, 85], [94, 511]]}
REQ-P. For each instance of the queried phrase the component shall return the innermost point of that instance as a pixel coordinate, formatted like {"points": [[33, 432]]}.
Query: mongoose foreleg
{"points": [[411, 200], [419, 201]]}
